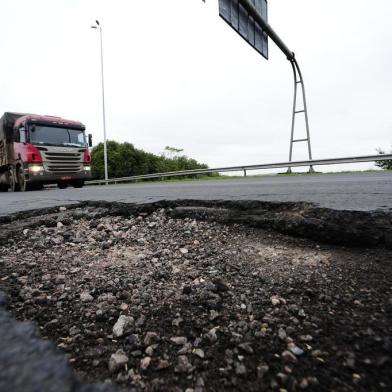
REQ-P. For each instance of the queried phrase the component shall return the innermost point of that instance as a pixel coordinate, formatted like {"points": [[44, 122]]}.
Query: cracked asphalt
{"points": [[345, 191]]}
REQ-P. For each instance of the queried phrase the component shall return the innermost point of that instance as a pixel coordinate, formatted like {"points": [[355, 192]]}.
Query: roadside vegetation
{"points": [[124, 160], [386, 165]]}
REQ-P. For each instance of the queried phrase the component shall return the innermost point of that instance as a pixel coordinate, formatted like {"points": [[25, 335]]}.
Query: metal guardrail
{"points": [[313, 162]]}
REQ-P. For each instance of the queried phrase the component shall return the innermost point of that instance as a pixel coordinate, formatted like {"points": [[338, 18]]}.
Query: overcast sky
{"points": [[176, 74]]}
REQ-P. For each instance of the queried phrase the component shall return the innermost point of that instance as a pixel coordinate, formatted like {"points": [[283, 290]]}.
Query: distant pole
{"points": [[105, 150]]}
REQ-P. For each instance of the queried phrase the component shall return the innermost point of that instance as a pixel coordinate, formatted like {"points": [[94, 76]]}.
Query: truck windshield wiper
{"points": [[46, 144], [72, 145]]}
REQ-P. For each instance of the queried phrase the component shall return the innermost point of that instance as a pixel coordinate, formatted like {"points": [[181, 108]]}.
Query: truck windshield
{"points": [[57, 136]]}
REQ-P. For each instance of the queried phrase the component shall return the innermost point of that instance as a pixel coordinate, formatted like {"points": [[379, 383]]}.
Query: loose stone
{"points": [[117, 361], [123, 325]]}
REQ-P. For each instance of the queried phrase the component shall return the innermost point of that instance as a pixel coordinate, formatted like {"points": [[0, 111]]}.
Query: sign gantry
{"points": [[249, 18]]}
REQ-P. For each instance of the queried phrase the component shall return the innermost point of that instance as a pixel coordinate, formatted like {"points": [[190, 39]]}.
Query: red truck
{"points": [[37, 150]]}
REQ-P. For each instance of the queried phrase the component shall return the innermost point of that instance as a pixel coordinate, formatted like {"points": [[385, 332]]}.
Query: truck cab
{"points": [[46, 150]]}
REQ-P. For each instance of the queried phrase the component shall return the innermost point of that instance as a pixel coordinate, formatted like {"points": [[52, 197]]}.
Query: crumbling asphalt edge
{"points": [[339, 227]]}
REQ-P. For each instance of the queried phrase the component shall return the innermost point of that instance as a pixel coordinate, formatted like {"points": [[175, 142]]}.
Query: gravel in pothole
{"points": [[158, 304]]}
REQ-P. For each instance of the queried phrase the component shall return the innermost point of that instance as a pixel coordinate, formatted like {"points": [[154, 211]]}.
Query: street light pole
{"points": [[105, 151]]}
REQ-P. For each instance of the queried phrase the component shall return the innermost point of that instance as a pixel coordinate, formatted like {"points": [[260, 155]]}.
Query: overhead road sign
{"points": [[235, 13], [250, 7], [250, 19]]}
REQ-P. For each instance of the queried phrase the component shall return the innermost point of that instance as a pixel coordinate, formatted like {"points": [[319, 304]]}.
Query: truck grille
{"points": [[63, 162]]}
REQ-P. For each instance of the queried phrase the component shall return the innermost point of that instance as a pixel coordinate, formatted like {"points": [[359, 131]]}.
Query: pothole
{"points": [[158, 301]]}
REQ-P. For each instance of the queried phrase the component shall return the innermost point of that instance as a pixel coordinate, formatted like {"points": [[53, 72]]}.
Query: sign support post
{"points": [[298, 80]]}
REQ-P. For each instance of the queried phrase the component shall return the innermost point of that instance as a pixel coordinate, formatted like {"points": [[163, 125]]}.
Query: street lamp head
{"points": [[97, 26]]}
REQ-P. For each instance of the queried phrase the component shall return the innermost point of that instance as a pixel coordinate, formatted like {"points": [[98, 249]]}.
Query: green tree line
{"points": [[125, 160], [386, 165]]}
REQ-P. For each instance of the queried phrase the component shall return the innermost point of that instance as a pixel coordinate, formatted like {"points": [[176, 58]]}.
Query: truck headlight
{"points": [[36, 169], [87, 167]]}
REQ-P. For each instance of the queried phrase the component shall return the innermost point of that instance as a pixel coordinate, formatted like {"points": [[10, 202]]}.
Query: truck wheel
{"points": [[14, 185], [3, 188], [24, 186], [62, 185], [78, 184], [37, 187]]}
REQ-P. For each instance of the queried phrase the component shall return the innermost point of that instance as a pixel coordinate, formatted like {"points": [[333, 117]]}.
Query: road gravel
{"points": [[154, 303]]}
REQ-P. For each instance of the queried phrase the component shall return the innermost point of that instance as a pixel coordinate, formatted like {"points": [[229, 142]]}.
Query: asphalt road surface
{"points": [[358, 191]]}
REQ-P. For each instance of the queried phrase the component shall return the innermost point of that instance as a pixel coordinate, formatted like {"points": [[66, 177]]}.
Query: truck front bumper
{"points": [[37, 174]]}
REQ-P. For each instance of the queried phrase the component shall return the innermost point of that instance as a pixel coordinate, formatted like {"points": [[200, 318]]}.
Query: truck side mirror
{"points": [[22, 135], [90, 140]]}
